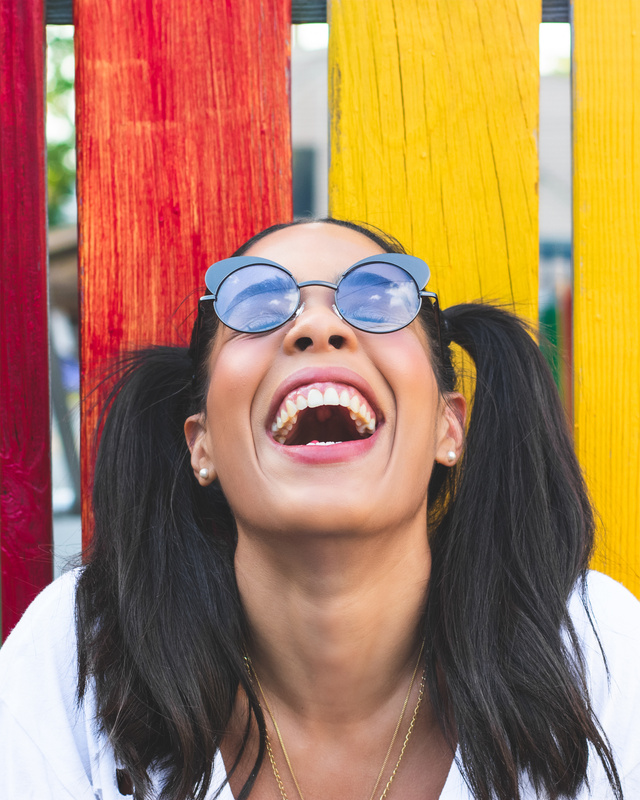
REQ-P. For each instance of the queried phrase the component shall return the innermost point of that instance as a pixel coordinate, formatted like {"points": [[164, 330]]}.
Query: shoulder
{"points": [[49, 746], [607, 621], [611, 650], [44, 639], [608, 593], [38, 674], [615, 614], [56, 597]]}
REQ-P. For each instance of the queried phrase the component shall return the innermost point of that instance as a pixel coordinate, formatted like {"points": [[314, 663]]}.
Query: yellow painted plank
{"points": [[434, 136], [606, 213]]}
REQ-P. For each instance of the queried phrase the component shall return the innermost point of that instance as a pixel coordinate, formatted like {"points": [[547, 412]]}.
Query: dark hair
{"points": [[160, 625]]}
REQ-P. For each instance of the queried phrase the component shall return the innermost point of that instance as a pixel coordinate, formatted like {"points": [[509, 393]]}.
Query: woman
{"points": [[330, 591]]}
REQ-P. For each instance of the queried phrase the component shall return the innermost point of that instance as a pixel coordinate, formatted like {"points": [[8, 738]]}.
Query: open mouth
{"points": [[323, 414]]}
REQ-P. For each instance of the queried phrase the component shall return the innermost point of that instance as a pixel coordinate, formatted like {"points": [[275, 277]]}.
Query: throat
{"points": [[331, 644]]}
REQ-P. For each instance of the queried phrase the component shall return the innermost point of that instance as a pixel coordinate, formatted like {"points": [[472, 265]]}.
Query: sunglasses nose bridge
{"points": [[326, 284], [309, 299]]}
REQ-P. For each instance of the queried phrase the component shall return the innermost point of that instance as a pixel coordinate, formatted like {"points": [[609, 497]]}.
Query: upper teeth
{"points": [[318, 395]]}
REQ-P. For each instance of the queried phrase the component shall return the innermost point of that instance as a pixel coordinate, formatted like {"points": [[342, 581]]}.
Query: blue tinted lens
{"points": [[379, 298], [257, 298]]}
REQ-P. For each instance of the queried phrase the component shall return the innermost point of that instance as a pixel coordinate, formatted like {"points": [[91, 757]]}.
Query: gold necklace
{"points": [[272, 760]]}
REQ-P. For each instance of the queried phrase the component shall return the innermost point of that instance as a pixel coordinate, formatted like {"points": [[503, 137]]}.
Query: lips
{"points": [[334, 408], [323, 413]]}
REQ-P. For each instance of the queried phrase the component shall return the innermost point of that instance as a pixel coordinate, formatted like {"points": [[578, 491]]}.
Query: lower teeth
{"points": [[322, 443]]}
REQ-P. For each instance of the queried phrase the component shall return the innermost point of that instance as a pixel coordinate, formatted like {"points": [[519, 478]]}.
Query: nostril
{"points": [[336, 341], [303, 342]]}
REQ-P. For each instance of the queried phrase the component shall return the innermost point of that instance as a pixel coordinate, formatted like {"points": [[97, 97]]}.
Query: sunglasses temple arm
{"points": [[196, 334], [433, 297]]}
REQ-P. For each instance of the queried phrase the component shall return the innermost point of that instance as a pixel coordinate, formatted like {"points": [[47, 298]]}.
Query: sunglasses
{"points": [[379, 294]]}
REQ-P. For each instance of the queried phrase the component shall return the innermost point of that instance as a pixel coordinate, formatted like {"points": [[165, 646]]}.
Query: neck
{"points": [[334, 619]]}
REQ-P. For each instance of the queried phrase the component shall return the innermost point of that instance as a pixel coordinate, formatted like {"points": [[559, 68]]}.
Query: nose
{"points": [[318, 325]]}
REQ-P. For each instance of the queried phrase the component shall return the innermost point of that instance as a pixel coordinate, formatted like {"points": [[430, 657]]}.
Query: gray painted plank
{"points": [[60, 12]]}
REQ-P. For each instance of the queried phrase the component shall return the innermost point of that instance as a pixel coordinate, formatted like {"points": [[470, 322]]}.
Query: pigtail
{"points": [[507, 551], [159, 621]]}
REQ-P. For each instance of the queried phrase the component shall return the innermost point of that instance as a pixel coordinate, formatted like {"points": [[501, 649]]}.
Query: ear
{"points": [[195, 433], [451, 427]]}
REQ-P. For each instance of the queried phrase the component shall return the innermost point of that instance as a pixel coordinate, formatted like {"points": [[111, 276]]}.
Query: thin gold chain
{"points": [[397, 728], [274, 768], [270, 750], [406, 738], [272, 759]]}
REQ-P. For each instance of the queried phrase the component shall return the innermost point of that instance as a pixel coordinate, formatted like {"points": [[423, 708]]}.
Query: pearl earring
{"points": [[204, 473], [451, 455]]}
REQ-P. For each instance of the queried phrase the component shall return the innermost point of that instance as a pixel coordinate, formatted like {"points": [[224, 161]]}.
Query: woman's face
{"points": [[317, 379]]}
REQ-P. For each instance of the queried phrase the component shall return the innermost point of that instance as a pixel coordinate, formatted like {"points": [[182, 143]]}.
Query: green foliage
{"points": [[61, 143]]}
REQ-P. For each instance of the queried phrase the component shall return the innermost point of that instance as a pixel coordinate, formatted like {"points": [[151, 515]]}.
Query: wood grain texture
{"points": [[606, 189], [433, 136], [184, 152], [25, 448]]}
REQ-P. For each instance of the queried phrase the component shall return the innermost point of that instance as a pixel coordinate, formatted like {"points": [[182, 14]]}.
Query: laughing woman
{"points": [[310, 578]]}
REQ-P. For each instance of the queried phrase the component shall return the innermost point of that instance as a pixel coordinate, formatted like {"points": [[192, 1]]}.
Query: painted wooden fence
{"points": [[25, 460], [606, 220], [183, 149], [183, 153]]}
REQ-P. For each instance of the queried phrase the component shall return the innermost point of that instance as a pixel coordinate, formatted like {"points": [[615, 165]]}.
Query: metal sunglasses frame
{"points": [[415, 267]]}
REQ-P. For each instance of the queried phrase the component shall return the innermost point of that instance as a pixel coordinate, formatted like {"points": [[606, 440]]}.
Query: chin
{"points": [[327, 514]]}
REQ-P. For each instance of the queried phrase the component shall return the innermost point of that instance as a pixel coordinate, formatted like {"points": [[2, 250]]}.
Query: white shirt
{"points": [[51, 749]]}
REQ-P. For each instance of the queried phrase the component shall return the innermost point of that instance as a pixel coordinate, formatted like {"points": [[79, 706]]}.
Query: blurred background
{"points": [[310, 128]]}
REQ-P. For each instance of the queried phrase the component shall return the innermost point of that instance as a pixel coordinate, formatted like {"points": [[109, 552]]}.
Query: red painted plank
{"points": [[25, 451], [184, 152]]}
